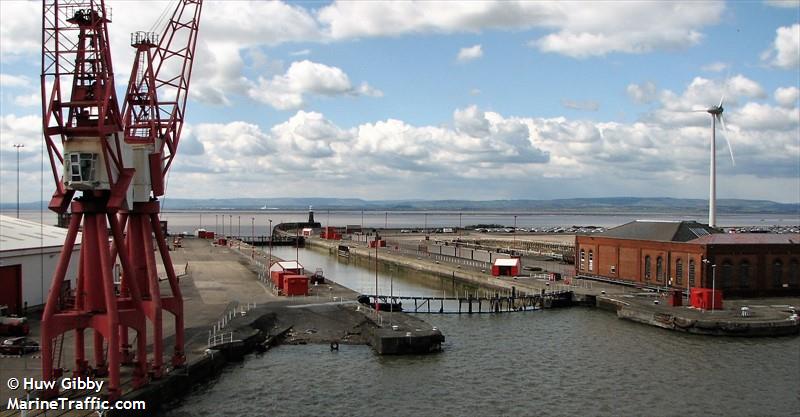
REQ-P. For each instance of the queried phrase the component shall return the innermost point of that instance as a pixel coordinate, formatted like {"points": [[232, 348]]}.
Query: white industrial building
{"points": [[29, 253]]}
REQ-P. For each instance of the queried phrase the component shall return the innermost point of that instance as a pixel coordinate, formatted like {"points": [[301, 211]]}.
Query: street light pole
{"points": [[269, 264], [515, 231], [713, 283], [18, 146], [377, 300], [252, 238], [713, 286]]}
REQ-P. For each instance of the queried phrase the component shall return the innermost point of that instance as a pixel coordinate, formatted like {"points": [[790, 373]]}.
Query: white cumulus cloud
{"points": [[785, 50], [578, 29], [787, 96], [288, 91], [470, 53], [11, 80], [642, 93]]}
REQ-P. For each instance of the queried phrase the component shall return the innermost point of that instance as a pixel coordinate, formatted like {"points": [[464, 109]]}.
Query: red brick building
{"points": [[687, 254]]}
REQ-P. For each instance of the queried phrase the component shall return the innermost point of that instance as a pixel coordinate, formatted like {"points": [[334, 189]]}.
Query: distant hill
{"points": [[568, 205]]}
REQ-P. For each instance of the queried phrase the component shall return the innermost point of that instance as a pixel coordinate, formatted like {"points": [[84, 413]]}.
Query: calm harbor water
{"points": [[576, 361]]}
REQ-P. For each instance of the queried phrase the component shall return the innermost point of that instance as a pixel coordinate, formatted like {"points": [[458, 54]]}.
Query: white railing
{"points": [[216, 334]]}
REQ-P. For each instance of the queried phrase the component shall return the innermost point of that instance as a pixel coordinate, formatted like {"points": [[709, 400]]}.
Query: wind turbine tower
{"points": [[716, 114]]}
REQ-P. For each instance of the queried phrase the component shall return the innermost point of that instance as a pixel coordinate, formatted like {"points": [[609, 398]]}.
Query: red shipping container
{"points": [[278, 278], [701, 298], [209, 235], [295, 285]]}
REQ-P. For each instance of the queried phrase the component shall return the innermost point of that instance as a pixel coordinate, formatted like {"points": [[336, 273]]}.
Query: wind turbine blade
{"points": [[722, 99], [725, 135]]}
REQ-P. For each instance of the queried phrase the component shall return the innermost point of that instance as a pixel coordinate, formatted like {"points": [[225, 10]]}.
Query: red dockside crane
{"points": [[118, 162]]}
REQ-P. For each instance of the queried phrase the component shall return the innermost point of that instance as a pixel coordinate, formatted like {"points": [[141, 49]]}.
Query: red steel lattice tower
{"points": [[153, 118], [115, 172]]}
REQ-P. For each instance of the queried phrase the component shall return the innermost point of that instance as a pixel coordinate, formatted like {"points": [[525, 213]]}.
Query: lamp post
{"points": [[240, 227], [216, 223], [385, 221], [515, 231], [18, 146], [459, 234], [269, 264], [377, 300], [252, 238], [713, 283]]}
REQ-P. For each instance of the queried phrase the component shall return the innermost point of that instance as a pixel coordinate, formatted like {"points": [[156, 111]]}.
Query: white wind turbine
{"points": [[716, 114]]}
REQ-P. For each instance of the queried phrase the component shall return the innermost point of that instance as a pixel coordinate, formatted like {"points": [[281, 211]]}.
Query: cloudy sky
{"points": [[474, 100]]}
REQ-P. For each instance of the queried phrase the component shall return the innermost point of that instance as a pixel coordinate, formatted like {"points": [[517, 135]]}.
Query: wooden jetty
{"points": [[478, 305]]}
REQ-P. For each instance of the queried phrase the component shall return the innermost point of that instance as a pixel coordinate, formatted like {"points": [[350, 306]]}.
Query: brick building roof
{"points": [[660, 230], [749, 239]]}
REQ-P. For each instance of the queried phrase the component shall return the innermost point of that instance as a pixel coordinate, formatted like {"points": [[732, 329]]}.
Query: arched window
{"points": [[744, 274], [583, 259], [777, 273], [794, 273], [691, 272], [725, 278], [591, 261], [659, 269], [679, 271], [647, 268]]}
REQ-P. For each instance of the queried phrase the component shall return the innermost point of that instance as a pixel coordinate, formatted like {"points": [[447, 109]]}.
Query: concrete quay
{"points": [[229, 313], [767, 316]]}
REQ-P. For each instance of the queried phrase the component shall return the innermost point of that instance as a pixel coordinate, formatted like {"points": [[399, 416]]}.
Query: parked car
{"points": [[19, 346]]}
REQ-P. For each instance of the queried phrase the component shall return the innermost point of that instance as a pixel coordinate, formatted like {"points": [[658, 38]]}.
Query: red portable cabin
{"points": [[295, 285], [506, 266], [277, 278], [279, 270], [701, 298]]}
